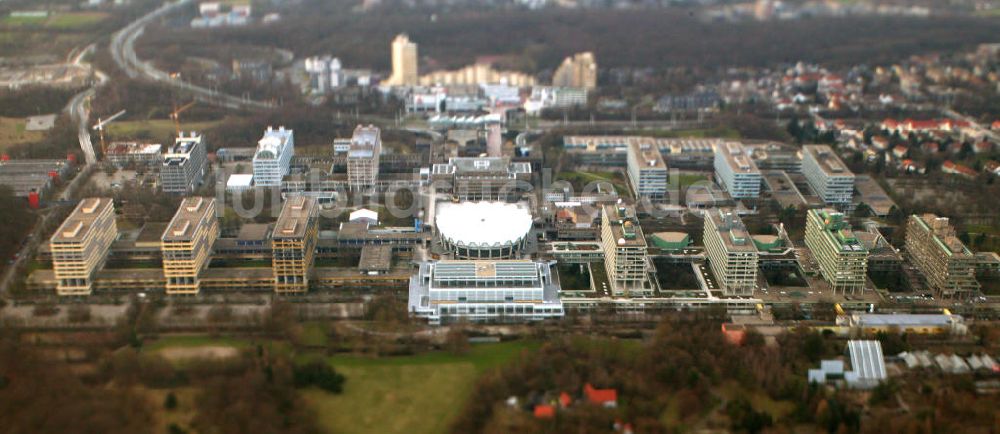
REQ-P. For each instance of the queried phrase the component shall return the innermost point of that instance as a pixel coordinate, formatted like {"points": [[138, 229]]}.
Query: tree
{"points": [[170, 401], [320, 374]]}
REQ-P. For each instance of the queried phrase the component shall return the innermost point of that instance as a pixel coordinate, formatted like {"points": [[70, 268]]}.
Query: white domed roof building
{"points": [[483, 230]]}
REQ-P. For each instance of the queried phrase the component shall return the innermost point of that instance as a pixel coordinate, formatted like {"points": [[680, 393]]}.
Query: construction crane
{"points": [[176, 115], [101, 123]]}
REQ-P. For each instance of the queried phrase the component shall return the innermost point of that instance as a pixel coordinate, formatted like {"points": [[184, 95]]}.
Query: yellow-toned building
{"points": [[578, 70], [187, 245], [80, 245], [476, 74], [293, 244], [947, 264], [842, 259]]}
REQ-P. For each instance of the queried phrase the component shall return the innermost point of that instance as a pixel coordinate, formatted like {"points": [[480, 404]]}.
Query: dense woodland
{"points": [[687, 377], [538, 40]]}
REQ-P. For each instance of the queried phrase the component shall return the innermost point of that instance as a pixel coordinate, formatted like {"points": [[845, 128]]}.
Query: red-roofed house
{"points": [[604, 397], [734, 333], [957, 169], [543, 411], [992, 167], [996, 126], [982, 146], [899, 151], [931, 147], [880, 143], [565, 400]]}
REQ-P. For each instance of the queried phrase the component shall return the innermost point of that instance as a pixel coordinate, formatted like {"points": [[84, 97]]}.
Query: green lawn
{"points": [[154, 128], [722, 132], [75, 20], [411, 394]]}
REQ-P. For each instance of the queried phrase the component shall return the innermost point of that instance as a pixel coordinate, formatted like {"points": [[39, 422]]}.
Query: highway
{"points": [[123, 52]]}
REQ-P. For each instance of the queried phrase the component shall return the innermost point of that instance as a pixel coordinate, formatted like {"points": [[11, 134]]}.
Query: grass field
{"points": [[154, 128], [59, 21], [581, 179], [723, 132], [12, 132], [412, 395]]}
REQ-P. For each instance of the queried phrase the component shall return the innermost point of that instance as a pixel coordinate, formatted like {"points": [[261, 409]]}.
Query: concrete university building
{"points": [[736, 171], [80, 245], [273, 157], [731, 252], [647, 172], [828, 177], [625, 259], [948, 266], [842, 258], [363, 158], [293, 244], [482, 230], [404, 62], [187, 245], [184, 164], [485, 290], [483, 178]]}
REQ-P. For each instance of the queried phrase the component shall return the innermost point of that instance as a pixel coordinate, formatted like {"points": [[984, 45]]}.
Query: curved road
{"points": [[123, 52]]}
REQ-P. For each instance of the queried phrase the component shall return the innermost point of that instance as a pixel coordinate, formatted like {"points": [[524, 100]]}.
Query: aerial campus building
{"points": [[404, 62], [736, 171], [187, 245], [646, 171], [828, 176], [273, 157], [483, 178], [731, 252], [363, 158], [578, 70], [625, 259], [293, 244], [482, 230], [80, 245], [485, 290], [184, 164], [947, 264], [842, 258]]}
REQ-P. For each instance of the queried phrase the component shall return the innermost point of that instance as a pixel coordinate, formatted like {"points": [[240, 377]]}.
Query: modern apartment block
{"points": [[624, 248], [363, 158], [293, 244], [80, 245], [731, 253], [647, 172], [842, 258], [404, 62], [273, 157], [736, 171], [483, 178], [186, 245], [485, 290], [828, 176], [184, 164], [578, 70], [947, 264]]}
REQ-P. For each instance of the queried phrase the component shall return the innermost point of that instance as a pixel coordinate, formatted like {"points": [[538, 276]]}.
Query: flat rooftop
{"points": [[184, 144], [943, 234], [827, 160], [737, 158], [133, 148], [375, 258], [648, 154], [365, 142], [836, 228], [82, 219], [873, 195], [624, 227], [732, 230], [192, 212], [294, 217]]}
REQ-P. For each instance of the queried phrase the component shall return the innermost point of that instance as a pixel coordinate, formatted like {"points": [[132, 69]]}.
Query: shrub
{"points": [[320, 374]]}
